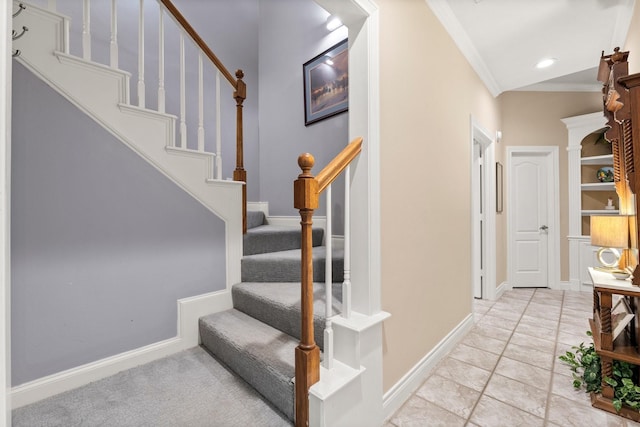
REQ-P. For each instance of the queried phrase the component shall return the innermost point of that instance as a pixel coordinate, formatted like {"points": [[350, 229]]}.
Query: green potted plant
{"points": [[584, 361]]}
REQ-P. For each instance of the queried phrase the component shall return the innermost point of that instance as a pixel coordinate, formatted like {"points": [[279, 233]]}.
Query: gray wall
{"points": [[291, 33], [102, 244]]}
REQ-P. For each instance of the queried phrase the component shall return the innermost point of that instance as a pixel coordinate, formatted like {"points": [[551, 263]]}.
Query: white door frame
{"points": [[553, 211], [5, 224], [487, 145]]}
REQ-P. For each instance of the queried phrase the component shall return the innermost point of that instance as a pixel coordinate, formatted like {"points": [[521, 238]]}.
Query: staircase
{"points": [[257, 338]]}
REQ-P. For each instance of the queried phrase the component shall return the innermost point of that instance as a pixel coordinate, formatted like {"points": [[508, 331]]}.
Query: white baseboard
{"points": [[502, 288], [402, 390], [259, 207], [564, 286], [189, 310]]}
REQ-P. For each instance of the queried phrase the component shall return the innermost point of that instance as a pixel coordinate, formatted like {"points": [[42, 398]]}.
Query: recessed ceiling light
{"points": [[547, 62]]}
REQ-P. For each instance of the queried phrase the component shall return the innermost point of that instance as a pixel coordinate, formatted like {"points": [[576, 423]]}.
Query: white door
{"points": [[530, 219], [479, 225], [483, 213]]}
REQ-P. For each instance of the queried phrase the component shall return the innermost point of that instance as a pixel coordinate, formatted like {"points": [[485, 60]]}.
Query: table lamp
{"points": [[611, 232]]}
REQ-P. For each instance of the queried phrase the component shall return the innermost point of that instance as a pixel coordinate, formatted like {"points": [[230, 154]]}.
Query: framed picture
{"points": [[499, 187], [326, 84]]}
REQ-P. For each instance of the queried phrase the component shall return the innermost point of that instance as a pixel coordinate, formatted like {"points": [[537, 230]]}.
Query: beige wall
{"points": [[428, 92], [533, 118]]}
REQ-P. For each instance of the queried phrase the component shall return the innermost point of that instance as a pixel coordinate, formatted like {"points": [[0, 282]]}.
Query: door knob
{"points": [[544, 228]]}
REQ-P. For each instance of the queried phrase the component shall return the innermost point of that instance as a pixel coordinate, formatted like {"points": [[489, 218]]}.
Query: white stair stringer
{"points": [[103, 94]]}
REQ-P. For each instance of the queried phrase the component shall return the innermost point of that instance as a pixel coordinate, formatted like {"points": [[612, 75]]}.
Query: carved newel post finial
{"points": [[617, 56], [306, 162]]}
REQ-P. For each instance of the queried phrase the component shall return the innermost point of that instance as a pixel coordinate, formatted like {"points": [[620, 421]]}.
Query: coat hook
{"points": [[16, 36], [16, 53], [21, 7]]}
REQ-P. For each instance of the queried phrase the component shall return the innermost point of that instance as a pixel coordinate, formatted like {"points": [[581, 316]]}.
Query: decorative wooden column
{"points": [[606, 331], [632, 145], [239, 174], [307, 354]]}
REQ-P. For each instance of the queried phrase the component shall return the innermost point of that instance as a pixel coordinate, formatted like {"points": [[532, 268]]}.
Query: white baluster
{"points": [[218, 129], [86, 30], [183, 105], [200, 104], [161, 93], [114, 35], [141, 89], [66, 39], [328, 282], [51, 4], [346, 284]]}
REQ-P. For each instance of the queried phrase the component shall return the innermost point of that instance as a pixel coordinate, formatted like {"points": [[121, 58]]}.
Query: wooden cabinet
{"points": [[610, 348]]}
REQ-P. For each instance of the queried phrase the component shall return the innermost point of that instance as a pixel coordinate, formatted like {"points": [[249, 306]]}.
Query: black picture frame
{"points": [[326, 84], [499, 188]]}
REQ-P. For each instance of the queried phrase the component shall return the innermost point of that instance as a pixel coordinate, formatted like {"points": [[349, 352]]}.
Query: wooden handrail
{"points": [[338, 164], [239, 94], [306, 196], [198, 40]]}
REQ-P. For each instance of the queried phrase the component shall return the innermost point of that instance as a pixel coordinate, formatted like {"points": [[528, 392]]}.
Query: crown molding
{"points": [[445, 15]]}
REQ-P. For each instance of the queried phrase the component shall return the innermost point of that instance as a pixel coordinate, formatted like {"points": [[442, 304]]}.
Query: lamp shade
{"points": [[610, 231]]}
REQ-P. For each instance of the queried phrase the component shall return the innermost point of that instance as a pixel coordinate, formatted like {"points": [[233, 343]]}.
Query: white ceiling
{"points": [[504, 39]]}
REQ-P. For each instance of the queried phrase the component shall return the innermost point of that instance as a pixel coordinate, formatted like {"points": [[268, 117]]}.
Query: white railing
{"points": [[346, 284], [186, 97], [328, 284]]}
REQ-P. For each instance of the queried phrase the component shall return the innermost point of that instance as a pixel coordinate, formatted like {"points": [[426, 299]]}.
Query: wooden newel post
{"points": [[307, 354], [239, 174]]}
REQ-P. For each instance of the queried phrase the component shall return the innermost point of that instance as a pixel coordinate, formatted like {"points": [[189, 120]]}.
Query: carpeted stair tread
{"points": [[284, 266], [263, 356], [255, 219], [274, 238], [278, 305]]}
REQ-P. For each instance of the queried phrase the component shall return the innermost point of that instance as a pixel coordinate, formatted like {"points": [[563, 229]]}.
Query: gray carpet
{"points": [[278, 304], [284, 266], [257, 352], [273, 238], [188, 389], [255, 219]]}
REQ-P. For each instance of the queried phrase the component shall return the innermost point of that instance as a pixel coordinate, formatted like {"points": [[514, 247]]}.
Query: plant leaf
{"points": [[617, 404]]}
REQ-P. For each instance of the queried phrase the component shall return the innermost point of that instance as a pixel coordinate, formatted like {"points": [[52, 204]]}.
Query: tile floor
{"points": [[506, 372]]}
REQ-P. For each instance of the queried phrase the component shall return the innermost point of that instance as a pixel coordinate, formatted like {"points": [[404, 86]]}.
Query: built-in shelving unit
{"points": [[588, 212], [605, 159], [598, 186], [586, 195], [595, 194]]}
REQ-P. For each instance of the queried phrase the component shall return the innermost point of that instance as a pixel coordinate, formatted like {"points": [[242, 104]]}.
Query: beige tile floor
{"points": [[506, 372]]}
